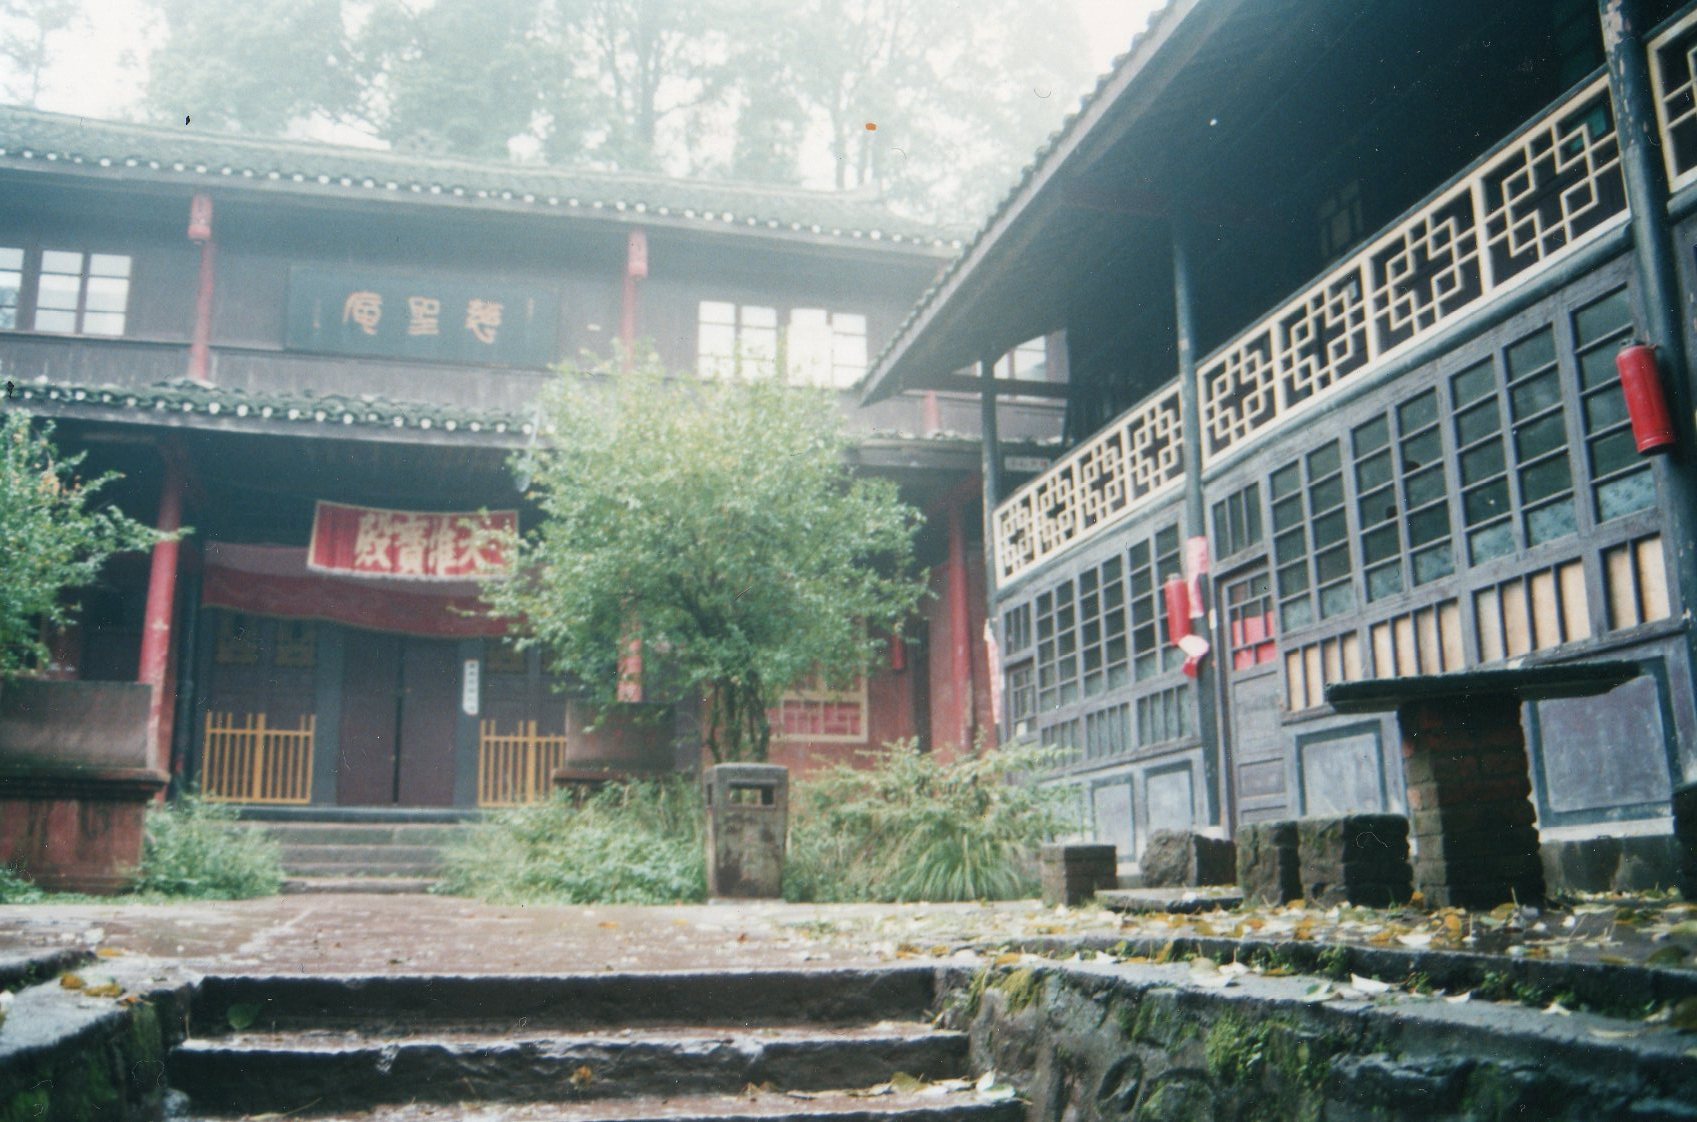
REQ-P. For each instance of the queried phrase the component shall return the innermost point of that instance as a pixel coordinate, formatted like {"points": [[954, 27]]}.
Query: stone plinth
{"points": [[748, 811], [1268, 871], [1468, 776], [75, 782], [1355, 859], [1182, 859], [1685, 837], [1072, 873]]}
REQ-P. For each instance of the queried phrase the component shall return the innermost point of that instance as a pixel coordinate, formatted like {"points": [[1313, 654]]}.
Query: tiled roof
{"points": [[194, 155], [1038, 163], [303, 411]]}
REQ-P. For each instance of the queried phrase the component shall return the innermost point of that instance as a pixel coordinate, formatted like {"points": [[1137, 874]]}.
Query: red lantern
{"points": [[1178, 609], [200, 219], [1646, 403]]}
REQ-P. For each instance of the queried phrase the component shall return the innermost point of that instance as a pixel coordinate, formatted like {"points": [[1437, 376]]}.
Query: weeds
{"points": [[197, 849], [15, 888], [641, 843], [913, 827]]}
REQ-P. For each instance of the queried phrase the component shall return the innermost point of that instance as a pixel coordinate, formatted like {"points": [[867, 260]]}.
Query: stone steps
{"points": [[346, 849], [759, 1044]]}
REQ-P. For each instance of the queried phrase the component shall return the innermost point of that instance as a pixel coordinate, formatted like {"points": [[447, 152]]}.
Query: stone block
{"points": [[1355, 859], [1182, 859], [1685, 837], [747, 823], [1606, 864], [1268, 871], [1071, 874]]}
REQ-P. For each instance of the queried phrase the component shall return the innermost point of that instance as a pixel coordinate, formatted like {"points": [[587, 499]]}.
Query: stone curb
{"points": [[25, 968], [1602, 986]]}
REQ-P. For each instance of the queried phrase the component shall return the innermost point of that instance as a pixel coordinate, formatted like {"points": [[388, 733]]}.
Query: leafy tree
{"points": [[27, 31], [258, 66], [53, 537], [719, 521]]}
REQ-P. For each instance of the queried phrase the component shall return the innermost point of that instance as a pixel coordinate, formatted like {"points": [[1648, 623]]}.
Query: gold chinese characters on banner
{"points": [[413, 545]]}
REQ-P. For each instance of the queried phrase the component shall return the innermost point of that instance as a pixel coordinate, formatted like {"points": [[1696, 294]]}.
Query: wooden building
{"points": [[1342, 287], [323, 360]]}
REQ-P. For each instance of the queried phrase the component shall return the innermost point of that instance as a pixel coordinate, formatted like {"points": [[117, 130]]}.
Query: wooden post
{"points": [[200, 345], [960, 633], [636, 268], [161, 600], [989, 423]]}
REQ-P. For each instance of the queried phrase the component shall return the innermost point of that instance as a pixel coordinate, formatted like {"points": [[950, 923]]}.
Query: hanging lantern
{"points": [[1177, 594]]}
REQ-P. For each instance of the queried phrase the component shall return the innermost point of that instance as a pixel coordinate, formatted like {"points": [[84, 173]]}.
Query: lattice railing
{"points": [[518, 767], [1093, 486], [1549, 189], [248, 761], [1673, 73]]}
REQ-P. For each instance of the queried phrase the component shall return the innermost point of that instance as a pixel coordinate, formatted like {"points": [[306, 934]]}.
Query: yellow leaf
{"points": [[71, 981], [1007, 958], [105, 989], [582, 1077], [109, 952]]}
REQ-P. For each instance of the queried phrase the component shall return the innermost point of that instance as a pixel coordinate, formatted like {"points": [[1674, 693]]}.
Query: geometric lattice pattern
{"points": [[1556, 183], [1094, 485], [1673, 68]]}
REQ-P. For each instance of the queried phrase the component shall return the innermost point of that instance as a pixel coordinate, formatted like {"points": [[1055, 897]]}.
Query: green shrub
{"points": [[641, 843], [15, 888], [197, 849], [912, 827]]}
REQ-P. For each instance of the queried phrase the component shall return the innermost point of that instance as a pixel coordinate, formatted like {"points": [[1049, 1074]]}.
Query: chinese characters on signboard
{"points": [[436, 319], [413, 545]]}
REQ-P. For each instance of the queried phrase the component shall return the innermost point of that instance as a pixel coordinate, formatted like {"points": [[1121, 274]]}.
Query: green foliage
{"points": [[913, 827], [15, 888], [721, 523], [636, 844], [54, 536], [197, 849]]}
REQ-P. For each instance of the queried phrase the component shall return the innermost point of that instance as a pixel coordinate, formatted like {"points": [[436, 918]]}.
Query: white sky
{"points": [[101, 68]]}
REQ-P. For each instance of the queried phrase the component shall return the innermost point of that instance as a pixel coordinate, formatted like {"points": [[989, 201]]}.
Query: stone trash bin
{"points": [[748, 813]]}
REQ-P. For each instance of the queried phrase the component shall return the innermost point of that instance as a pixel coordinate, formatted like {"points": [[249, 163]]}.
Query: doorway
{"points": [[1250, 668], [399, 696]]}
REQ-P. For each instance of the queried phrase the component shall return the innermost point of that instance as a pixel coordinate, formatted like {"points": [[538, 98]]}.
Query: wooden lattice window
{"points": [[827, 716], [238, 640], [296, 644]]}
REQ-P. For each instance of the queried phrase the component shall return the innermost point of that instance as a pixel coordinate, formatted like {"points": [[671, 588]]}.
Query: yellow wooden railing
{"points": [[516, 768], [247, 761]]}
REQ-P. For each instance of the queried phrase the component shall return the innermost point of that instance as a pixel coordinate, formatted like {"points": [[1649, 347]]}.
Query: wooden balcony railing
{"points": [[1544, 192], [248, 761]]}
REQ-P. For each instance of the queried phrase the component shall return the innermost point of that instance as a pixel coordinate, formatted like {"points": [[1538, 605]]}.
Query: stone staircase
{"points": [[837, 1045], [360, 855]]}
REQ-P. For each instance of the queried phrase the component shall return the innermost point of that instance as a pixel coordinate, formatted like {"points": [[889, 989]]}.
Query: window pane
{"points": [[11, 257], [1374, 471], [1478, 422], [1329, 529], [1290, 545], [1419, 412], [8, 317], [1421, 450], [1531, 353], [1613, 453], [1473, 383], [1428, 525], [108, 265], [1609, 314], [1296, 613], [1287, 513], [103, 323], [1381, 544], [1328, 494], [1597, 368], [1485, 503], [59, 292], [1482, 462], [60, 261], [1548, 478], [712, 311], [1331, 564], [1384, 581], [1626, 494], [1380, 506], [1371, 435], [1601, 410], [1284, 482], [1323, 460], [1551, 522], [48, 320], [753, 316], [1535, 395], [1433, 564], [1293, 579], [1543, 435], [107, 294], [1425, 486], [1339, 598], [1493, 541]]}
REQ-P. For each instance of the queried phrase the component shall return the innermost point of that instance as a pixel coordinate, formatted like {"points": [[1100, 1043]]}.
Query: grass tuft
{"points": [[198, 849]]}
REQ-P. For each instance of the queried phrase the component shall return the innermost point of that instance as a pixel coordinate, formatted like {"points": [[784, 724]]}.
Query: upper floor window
{"points": [[813, 346], [1028, 362], [75, 293]]}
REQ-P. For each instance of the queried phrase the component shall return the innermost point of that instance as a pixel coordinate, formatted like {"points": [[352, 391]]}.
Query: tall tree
{"points": [[718, 521], [28, 31], [258, 66]]}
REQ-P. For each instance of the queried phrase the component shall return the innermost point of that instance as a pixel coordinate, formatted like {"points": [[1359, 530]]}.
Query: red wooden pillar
{"points": [[960, 636], [636, 268], [156, 637], [200, 344]]}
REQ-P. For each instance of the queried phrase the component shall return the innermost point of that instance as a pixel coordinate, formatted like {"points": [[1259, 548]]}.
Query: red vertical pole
{"points": [[931, 414], [636, 268], [960, 633], [161, 605], [200, 345]]}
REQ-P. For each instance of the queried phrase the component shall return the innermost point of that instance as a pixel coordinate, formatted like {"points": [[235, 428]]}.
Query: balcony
{"points": [[1535, 200]]}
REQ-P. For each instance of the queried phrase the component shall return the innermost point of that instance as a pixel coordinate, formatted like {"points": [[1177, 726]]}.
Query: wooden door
{"points": [[430, 694], [1250, 668], [371, 683]]}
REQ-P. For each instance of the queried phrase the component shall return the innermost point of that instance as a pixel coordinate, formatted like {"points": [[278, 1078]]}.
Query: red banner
{"points": [[274, 581], [410, 545]]}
